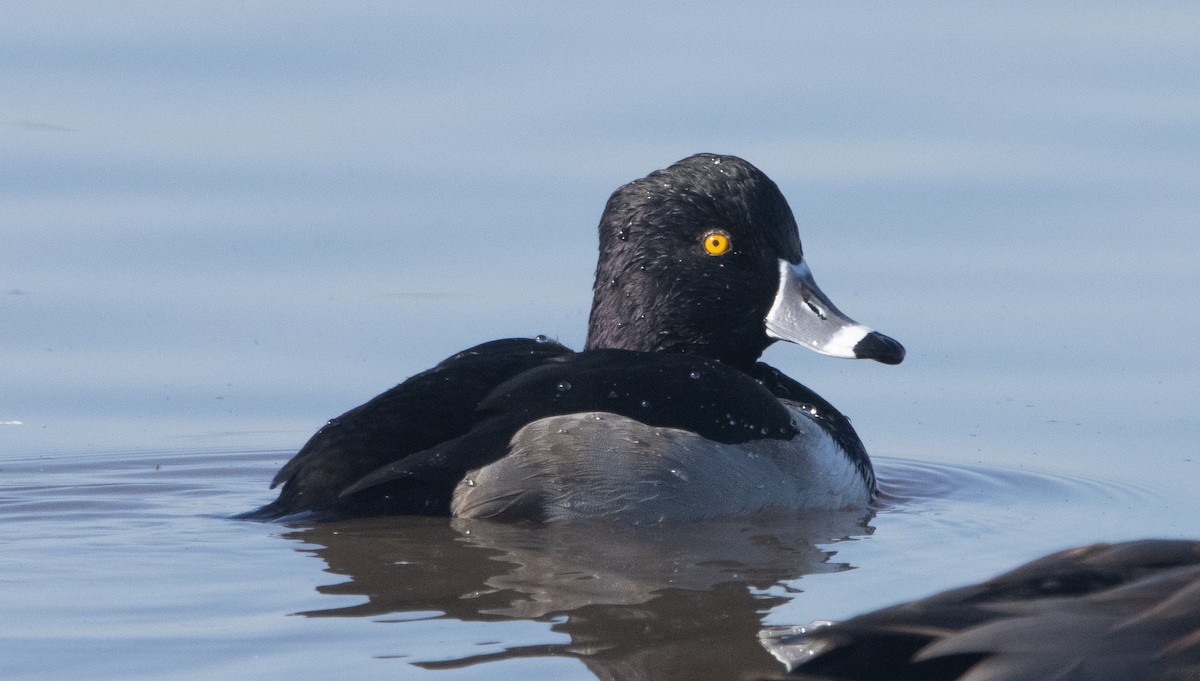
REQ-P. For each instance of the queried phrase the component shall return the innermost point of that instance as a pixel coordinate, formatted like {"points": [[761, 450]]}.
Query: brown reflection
{"points": [[660, 602]]}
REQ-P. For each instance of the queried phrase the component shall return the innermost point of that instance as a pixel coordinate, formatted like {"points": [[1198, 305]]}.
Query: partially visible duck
{"points": [[665, 414], [1107, 612]]}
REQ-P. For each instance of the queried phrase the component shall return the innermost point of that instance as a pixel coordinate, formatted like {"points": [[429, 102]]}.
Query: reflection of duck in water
{"points": [[665, 414], [654, 602], [1120, 612]]}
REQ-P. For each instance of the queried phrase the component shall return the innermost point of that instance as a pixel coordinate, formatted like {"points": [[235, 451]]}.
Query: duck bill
{"points": [[802, 314]]}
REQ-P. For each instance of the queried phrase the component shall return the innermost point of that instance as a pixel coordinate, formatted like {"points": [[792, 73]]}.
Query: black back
{"points": [[425, 410]]}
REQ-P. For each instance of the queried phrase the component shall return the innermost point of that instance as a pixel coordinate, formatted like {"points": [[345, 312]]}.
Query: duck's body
{"points": [[1119, 612], [665, 414]]}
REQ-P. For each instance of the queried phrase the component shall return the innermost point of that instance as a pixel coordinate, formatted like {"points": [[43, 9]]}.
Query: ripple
{"points": [[906, 484], [99, 485]]}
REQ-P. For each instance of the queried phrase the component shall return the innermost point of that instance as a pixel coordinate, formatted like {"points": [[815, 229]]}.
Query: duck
{"points": [[1103, 612], [666, 414]]}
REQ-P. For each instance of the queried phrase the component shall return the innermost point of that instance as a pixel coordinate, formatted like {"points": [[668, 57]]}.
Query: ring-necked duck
{"points": [[666, 413], [1108, 612]]}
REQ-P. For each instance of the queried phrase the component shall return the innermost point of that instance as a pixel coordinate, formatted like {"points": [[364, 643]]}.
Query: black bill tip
{"points": [[880, 348]]}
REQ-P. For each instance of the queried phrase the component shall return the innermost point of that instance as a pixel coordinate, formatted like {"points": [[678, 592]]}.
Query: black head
{"points": [[659, 288], [693, 259]]}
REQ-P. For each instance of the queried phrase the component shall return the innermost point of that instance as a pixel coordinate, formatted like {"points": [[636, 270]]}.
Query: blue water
{"points": [[222, 225]]}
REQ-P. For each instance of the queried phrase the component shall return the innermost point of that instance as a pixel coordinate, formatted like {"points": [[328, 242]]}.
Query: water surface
{"points": [[223, 225]]}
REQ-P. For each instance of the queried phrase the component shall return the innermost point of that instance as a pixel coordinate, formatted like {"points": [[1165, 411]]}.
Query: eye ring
{"points": [[716, 242]]}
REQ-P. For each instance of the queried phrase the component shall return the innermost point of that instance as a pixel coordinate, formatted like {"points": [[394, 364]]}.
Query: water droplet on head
{"points": [[541, 338], [563, 386], [623, 234], [645, 404], [469, 482], [694, 375]]}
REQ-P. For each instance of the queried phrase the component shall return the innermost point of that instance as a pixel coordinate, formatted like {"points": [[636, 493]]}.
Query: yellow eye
{"points": [[716, 242]]}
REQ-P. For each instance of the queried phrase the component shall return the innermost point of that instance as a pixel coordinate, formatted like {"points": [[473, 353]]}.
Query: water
{"points": [[221, 226], [124, 566]]}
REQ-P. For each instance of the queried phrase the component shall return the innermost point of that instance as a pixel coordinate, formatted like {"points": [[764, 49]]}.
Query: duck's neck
{"points": [[649, 323]]}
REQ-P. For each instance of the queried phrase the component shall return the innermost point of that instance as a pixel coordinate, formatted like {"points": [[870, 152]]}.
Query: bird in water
{"points": [[666, 413], [1107, 612]]}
